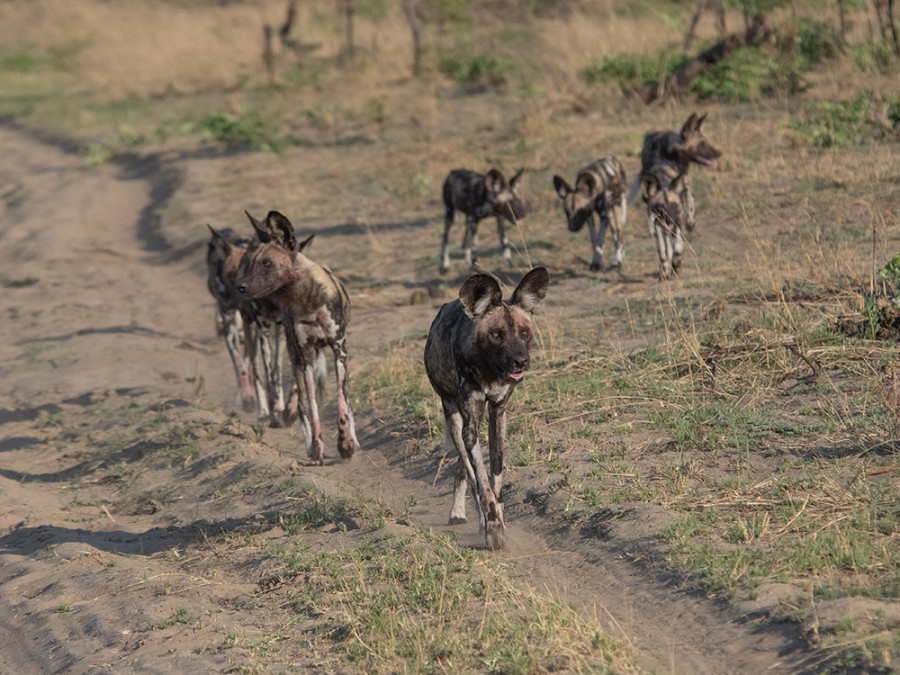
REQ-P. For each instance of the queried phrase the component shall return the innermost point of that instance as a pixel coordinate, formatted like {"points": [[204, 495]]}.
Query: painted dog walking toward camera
{"points": [[478, 197], [315, 310], [252, 331], [599, 187], [679, 150], [477, 352], [661, 190]]}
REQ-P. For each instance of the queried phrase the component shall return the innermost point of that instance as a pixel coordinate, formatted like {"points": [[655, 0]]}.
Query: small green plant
{"points": [[249, 130], [632, 69], [481, 69], [62, 608], [845, 124]]}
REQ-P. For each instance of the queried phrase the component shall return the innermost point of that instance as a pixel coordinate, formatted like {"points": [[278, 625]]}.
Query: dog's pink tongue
{"points": [[516, 376]]}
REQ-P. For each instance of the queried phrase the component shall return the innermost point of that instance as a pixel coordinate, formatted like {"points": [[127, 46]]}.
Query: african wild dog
{"points": [[251, 330], [315, 310], [599, 187], [477, 353], [679, 150], [661, 190], [478, 197]]}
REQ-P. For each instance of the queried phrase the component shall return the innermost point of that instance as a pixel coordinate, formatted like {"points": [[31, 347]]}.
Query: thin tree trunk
{"points": [[350, 10], [890, 16], [288, 24], [415, 27], [689, 38]]}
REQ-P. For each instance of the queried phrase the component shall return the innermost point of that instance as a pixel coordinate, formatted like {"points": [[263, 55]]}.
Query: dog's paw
{"points": [[595, 267], [457, 520], [495, 536]]}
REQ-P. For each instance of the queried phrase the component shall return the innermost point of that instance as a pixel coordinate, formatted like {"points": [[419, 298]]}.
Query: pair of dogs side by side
{"points": [[599, 189], [269, 284]]}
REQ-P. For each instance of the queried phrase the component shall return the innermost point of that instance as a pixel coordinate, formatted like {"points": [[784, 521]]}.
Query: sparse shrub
{"points": [[314, 74], [846, 123], [479, 69], [816, 42], [632, 69], [748, 74], [874, 56], [249, 130]]}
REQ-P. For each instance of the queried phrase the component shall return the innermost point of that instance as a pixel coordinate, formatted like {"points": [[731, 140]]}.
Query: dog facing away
{"points": [[599, 188], [680, 150], [315, 310], [661, 190], [476, 354], [251, 329], [479, 196]]}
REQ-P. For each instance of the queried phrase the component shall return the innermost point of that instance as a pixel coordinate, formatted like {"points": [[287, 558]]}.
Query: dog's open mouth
{"points": [[516, 377]]}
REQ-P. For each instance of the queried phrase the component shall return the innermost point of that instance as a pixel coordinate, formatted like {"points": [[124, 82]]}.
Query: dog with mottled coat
{"points": [[315, 310], [479, 196], [252, 331], [678, 149], [476, 355], [599, 188]]}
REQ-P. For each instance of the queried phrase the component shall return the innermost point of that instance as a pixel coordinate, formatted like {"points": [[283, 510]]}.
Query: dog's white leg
{"points": [[445, 242], [347, 442], [687, 206], [465, 477], [504, 240], [316, 447], [262, 364], [236, 342]]}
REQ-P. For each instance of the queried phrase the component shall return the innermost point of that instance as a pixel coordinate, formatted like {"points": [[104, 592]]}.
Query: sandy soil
{"points": [[105, 306]]}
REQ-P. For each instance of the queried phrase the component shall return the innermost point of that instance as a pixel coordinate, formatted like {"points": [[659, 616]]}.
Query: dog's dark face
{"points": [[269, 263], [503, 331], [694, 145], [504, 197], [223, 255], [578, 202]]}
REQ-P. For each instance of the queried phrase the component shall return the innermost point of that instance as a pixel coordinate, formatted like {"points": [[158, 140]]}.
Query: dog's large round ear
{"points": [[701, 120], [514, 181], [561, 186], [219, 241], [305, 244], [494, 181], [529, 294], [479, 294], [262, 232], [691, 126], [281, 230]]}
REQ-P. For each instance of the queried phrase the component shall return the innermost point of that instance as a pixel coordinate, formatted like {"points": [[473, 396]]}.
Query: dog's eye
{"points": [[496, 334], [267, 263], [524, 332]]}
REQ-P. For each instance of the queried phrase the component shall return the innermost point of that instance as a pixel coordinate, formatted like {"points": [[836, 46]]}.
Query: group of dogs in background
{"points": [[478, 346]]}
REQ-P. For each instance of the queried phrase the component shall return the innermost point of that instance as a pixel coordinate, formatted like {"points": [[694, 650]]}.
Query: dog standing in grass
{"points": [[662, 192], [476, 354], [478, 197], [679, 150], [315, 310], [599, 188]]}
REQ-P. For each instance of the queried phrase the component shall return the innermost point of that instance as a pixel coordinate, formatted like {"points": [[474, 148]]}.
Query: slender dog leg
{"points": [[504, 240], [596, 243], [471, 242], [262, 364], [299, 368], [615, 226], [687, 206], [493, 524], [347, 443], [465, 474], [496, 445], [317, 447], [445, 242], [236, 339]]}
